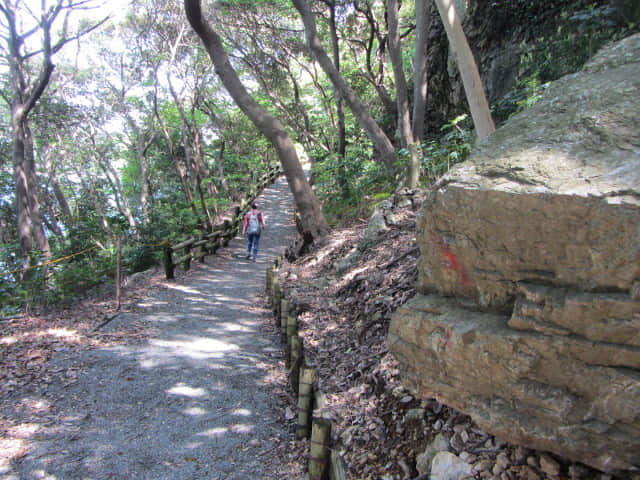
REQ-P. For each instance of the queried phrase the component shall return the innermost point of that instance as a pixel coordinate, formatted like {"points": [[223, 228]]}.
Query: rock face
{"points": [[528, 317]]}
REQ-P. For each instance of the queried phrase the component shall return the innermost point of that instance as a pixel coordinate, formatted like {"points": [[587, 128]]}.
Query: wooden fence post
{"points": [[187, 261], [168, 261], [202, 247], [227, 235]]}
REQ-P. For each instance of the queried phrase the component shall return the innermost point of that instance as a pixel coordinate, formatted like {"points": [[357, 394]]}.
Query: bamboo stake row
{"points": [[302, 377]]}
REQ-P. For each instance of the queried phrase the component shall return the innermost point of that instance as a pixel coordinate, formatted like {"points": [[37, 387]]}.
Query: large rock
{"points": [[529, 313]]}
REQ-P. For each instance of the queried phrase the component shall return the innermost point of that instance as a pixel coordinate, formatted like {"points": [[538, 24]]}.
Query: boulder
{"points": [[447, 466], [528, 317], [423, 461]]}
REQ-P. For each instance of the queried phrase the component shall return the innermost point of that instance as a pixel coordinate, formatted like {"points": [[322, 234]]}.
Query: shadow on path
{"points": [[195, 401]]}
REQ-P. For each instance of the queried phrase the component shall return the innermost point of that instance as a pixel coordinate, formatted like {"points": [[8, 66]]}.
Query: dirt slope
{"points": [[381, 430]]}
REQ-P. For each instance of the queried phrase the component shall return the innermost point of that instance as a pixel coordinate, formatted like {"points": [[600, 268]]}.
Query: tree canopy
{"points": [[149, 124]]}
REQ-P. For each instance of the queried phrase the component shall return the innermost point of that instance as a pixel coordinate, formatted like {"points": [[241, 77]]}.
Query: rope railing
{"points": [[50, 262]]}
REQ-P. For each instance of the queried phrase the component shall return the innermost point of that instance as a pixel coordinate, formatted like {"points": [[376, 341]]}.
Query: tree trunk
{"points": [[34, 203], [402, 94], [90, 187], [310, 212], [359, 109], [420, 71], [5, 237], [199, 157], [141, 147], [341, 133], [223, 179], [468, 69], [122, 202], [377, 79], [22, 190], [67, 217], [191, 161], [144, 194], [167, 135]]}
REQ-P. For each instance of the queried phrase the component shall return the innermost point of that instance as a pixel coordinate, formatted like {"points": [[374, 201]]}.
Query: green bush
{"points": [[70, 281], [140, 258], [346, 186], [579, 34], [439, 155]]}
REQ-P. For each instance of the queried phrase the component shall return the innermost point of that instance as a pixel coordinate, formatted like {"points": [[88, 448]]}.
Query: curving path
{"points": [[197, 400]]}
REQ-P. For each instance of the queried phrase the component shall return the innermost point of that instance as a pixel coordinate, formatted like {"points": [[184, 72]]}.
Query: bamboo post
{"points": [[296, 362], [292, 330], [338, 470], [168, 261], [275, 298], [304, 401], [292, 326], [269, 278], [118, 271], [284, 312], [319, 449]]}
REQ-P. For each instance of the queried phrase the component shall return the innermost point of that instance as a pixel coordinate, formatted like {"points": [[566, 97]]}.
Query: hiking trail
{"points": [[195, 400]]}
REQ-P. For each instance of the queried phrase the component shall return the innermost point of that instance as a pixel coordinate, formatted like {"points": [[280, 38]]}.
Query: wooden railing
{"points": [[198, 247]]}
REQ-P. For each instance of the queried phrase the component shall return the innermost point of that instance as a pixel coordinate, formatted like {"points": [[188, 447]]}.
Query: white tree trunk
{"points": [[468, 69]]}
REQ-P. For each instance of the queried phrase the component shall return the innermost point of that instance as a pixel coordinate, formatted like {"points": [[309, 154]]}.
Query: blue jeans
{"points": [[253, 239]]}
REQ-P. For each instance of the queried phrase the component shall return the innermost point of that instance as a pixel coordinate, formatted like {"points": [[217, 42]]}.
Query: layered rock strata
{"points": [[529, 312]]}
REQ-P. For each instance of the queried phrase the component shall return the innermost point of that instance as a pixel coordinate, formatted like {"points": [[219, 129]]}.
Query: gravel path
{"points": [[196, 400]]}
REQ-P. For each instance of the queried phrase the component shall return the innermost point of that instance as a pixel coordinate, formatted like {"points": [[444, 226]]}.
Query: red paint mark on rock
{"points": [[454, 263]]}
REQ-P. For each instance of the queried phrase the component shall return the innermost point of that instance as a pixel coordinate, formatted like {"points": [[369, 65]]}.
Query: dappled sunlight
{"points": [[353, 273], [243, 412], [8, 340], [195, 411], [161, 352], [234, 327], [11, 449], [154, 303], [63, 334], [15, 442], [34, 405], [187, 391], [24, 430], [237, 428], [183, 288], [215, 432], [198, 347]]}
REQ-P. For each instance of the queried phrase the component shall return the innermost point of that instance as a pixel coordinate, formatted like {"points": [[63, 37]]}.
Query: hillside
{"points": [[345, 291]]}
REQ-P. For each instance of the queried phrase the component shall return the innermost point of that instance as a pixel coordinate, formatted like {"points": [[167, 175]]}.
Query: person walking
{"points": [[252, 227]]}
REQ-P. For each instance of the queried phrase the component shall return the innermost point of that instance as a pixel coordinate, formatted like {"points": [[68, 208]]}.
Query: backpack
{"points": [[254, 224]]}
